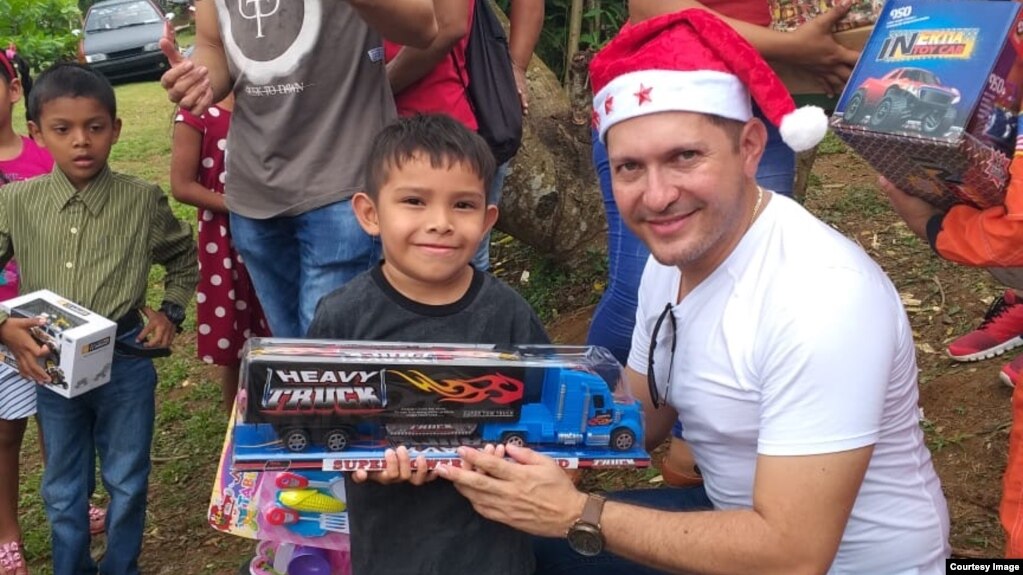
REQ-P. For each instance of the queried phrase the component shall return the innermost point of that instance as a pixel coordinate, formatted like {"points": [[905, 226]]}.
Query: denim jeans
{"points": [[296, 260], [615, 315], [114, 421], [555, 557], [481, 260]]}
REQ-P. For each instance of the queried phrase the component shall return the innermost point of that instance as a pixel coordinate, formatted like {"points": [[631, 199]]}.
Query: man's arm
{"points": [[811, 46], [196, 83], [406, 22], [800, 508], [411, 64], [525, 22]]}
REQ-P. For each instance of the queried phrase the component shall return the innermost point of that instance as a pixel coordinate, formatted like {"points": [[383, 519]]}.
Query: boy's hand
{"points": [[913, 210], [15, 334], [158, 331], [398, 468]]}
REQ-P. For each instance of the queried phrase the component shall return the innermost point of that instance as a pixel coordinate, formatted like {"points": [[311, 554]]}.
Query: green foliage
{"points": [[41, 29], [600, 24]]}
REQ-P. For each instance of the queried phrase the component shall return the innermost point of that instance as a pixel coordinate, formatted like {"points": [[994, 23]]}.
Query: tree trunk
{"points": [[551, 198]]}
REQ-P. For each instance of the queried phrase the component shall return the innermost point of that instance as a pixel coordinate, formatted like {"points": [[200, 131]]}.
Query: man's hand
{"points": [[158, 331], [815, 49], [15, 334], [915, 211], [187, 85], [532, 494], [522, 87], [398, 468]]}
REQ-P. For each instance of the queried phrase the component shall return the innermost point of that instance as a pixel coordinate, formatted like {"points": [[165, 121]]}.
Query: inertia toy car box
{"points": [[337, 406], [81, 342], [932, 102]]}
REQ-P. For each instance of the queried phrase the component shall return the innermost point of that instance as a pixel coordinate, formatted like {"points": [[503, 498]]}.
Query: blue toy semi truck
{"points": [[357, 396]]}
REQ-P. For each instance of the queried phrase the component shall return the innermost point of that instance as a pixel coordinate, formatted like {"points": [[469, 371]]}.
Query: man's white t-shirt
{"points": [[798, 344]]}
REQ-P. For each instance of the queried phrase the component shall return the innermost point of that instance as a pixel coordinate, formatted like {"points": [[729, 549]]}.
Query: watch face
{"points": [[585, 539]]}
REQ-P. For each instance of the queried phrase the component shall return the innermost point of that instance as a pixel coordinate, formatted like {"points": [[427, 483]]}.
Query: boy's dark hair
{"points": [[442, 139], [71, 80]]}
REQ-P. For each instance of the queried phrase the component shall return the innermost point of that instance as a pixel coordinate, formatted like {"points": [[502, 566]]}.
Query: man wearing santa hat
{"points": [[781, 344]]}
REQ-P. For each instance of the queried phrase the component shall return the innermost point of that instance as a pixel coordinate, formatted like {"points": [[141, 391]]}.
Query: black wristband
{"points": [[174, 312]]}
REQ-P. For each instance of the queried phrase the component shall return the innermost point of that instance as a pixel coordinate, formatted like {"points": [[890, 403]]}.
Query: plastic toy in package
{"points": [[337, 406]]}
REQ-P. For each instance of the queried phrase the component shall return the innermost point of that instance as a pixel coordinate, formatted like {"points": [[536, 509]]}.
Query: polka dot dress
{"points": [[227, 311]]}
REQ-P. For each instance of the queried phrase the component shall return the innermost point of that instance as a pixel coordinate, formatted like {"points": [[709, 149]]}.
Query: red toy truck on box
{"points": [[933, 100], [318, 404]]}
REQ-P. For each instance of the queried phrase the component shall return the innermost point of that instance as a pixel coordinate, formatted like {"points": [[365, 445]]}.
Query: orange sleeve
{"points": [[985, 238]]}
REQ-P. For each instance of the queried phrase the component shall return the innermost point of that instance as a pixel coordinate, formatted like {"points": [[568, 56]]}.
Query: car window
{"points": [[121, 15]]}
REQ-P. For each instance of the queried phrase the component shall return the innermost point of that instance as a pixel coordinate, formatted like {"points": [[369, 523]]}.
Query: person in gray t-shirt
{"points": [[311, 91]]}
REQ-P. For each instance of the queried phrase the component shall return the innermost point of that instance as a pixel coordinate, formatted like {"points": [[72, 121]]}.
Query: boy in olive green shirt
{"points": [[91, 235]]}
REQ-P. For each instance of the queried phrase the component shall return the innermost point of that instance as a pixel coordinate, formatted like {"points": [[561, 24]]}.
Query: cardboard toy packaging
{"points": [[932, 102], [82, 342]]}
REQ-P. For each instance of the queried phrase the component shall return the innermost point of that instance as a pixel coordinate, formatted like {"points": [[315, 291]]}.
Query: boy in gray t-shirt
{"points": [[426, 200]]}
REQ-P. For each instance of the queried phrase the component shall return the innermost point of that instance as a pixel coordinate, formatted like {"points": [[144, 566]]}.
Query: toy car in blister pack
{"points": [[932, 102], [339, 405]]}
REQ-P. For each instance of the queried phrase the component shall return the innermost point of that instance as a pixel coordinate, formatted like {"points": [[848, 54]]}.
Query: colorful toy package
{"points": [[932, 103], [337, 406], [787, 15], [304, 508]]}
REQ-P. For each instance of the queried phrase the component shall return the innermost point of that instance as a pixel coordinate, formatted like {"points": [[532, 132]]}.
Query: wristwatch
{"points": [[584, 536], [174, 312]]}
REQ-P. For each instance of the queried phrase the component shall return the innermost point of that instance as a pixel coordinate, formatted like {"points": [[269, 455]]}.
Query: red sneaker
{"points": [[1011, 371], [1001, 330]]}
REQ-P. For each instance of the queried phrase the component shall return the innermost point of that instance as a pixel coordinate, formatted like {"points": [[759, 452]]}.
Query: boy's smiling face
{"points": [[430, 221], [79, 133]]}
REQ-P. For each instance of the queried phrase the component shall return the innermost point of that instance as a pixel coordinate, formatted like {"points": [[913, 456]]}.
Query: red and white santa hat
{"points": [[691, 61]]}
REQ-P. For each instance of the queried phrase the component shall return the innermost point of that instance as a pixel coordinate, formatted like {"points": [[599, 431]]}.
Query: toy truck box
{"points": [[337, 406], [932, 102], [81, 342]]}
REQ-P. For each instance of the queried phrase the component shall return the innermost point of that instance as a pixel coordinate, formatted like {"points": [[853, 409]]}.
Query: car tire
{"points": [[337, 439], [622, 439], [296, 439], [890, 112], [516, 438], [856, 107], [937, 122]]}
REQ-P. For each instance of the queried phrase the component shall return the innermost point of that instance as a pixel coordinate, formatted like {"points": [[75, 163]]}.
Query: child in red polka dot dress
{"points": [[227, 311]]}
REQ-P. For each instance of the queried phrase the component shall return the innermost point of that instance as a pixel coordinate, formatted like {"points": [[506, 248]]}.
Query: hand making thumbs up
{"points": [[187, 85]]}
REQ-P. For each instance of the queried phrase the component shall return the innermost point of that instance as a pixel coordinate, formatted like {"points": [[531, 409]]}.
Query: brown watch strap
{"points": [[593, 509]]}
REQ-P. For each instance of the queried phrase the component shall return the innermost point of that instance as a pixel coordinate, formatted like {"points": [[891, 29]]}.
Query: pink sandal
{"points": [[12, 558], [97, 519]]}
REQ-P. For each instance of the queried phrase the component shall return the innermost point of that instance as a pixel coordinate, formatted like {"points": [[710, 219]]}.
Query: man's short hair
{"points": [[70, 80], [733, 128], [439, 138]]}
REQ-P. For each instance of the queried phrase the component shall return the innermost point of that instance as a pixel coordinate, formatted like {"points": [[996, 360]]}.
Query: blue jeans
{"points": [[296, 260], [115, 421], [555, 557], [481, 260], [615, 315]]}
